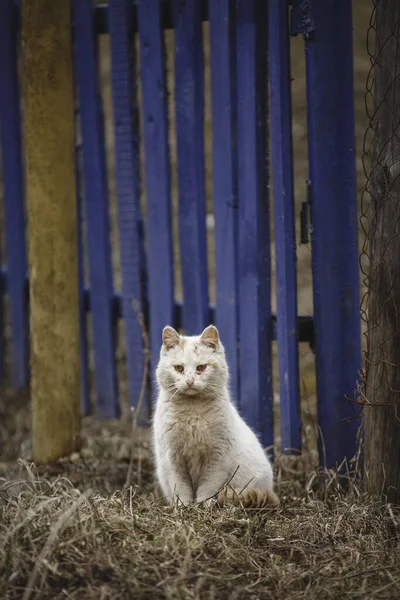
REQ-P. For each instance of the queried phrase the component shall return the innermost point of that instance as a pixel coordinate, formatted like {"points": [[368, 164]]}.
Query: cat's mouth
{"points": [[190, 391]]}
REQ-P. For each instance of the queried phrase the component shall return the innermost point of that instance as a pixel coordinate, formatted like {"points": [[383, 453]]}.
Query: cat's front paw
{"points": [[180, 501], [207, 502]]}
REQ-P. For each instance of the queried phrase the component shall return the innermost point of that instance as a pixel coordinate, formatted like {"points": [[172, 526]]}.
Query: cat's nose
{"points": [[190, 381]]}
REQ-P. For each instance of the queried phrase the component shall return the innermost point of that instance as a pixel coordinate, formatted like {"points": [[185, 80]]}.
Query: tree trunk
{"points": [[52, 226], [382, 417]]}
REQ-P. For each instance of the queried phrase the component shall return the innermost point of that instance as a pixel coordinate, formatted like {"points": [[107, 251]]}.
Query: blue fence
{"points": [[250, 93]]}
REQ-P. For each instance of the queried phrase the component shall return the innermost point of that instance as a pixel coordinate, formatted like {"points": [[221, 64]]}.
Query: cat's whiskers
{"points": [[173, 395]]}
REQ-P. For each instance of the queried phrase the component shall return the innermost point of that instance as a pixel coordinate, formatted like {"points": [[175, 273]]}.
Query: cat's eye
{"points": [[178, 368], [201, 368]]}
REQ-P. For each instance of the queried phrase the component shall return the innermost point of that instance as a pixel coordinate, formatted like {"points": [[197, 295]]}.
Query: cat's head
{"points": [[192, 365]]}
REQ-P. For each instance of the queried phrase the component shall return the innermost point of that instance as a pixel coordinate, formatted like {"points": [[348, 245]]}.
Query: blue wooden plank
{"points": [[13, 179], [127, 167], [102, 21], [330, 113], [189, 109], [285, 237], [254, 235], [223, 107], [84, 347], [157, 167], [96, 208]]}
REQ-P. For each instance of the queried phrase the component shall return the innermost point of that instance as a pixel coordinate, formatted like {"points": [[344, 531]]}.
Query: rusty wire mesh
{"points": [[380, 210]]}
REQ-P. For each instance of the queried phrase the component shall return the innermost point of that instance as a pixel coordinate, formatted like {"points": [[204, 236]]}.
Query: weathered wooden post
{"points": [[52, 226], [381, 224]]}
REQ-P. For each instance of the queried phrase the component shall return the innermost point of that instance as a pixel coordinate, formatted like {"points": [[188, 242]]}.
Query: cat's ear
{"points": [[210, 337], [170, 337]]}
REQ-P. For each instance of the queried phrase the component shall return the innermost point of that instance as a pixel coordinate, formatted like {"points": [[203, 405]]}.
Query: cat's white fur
{"points": [[200, 440]]}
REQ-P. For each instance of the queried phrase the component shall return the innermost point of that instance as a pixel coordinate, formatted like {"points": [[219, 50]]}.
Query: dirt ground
{"points": [[93, 526]]}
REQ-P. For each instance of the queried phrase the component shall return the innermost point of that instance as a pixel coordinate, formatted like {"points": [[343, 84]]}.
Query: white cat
{"points": [[201, 443]]}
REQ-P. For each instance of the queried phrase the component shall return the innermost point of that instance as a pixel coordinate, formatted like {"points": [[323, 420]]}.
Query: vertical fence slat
{"points": [[285, 237], [83, 339], [223, 108], [127, 167], [96, 208], [254, 236], [330, 113], [13, 195], [189, 107], [157, 167]]}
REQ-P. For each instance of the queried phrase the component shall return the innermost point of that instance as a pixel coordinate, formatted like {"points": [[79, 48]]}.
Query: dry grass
{"points": [[77, 529], [60, 539]]}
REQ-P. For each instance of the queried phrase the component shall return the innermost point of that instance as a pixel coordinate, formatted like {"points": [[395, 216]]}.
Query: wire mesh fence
{"points": [[380, 211]]}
